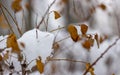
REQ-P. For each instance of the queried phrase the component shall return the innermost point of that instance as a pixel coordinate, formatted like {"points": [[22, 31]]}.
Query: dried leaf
{"points": [[6, 56], [91, 70], [27, 5], [87, 44], [12, 42], [57, 15], [101, 39], [1, 58], [113, 74], [40, 65], [16, 6], [92, 10], [65, 1], [20, 57], [91, 42], [3, 23], [84, 28], [73, 33], [102, 6], [97, 40], [90, 39]]}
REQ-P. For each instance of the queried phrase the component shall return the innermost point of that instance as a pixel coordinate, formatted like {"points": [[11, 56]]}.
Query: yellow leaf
{"points": [[91, 40], [97, 40], [6, 56], [1, 58], [16, 6], [57, 15], [91, 70], [40, 65], [73, 33], [87, 44], [101, 39], [12, 43], [84, 28], [3, 23]]}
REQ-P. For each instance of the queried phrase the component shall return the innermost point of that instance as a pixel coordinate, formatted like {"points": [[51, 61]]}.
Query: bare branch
{"points": [[101, 56], [47, 11], [118, 23], [70, 60], [13, 19], [6, 19], [57, 29]]}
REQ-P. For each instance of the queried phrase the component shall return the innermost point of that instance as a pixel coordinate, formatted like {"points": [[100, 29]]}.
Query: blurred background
{"points": [[102, 17], [98, 14]]}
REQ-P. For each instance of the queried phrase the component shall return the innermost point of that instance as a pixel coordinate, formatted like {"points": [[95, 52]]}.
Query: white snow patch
{"points": [[37, 43], [3, 41]]}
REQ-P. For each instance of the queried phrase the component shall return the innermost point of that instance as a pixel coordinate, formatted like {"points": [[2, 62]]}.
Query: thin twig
{"points": [[36, 19], [101, 56], [56, 36], [36, 34], [117, 19], [16, 23], [74, 8], [118, 24], [12, 19], [30, 62], [7, 20], [45, 14], [48, 19], [45, 23], [64, 39], [67, 36], [70, 60], [3, 39], [23, 22], [57, 29]]}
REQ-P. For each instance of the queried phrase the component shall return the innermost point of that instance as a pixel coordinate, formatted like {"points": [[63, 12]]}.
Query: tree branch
{"points": [[101, 56], [70, 60], [7, 19], [12, 19], [47, 11]]}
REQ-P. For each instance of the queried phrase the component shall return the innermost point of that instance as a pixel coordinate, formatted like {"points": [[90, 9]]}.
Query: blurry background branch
{"points": [[29, 16]]}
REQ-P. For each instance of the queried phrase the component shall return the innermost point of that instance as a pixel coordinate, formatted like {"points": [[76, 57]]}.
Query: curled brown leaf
{"points": [[73, 33]]}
